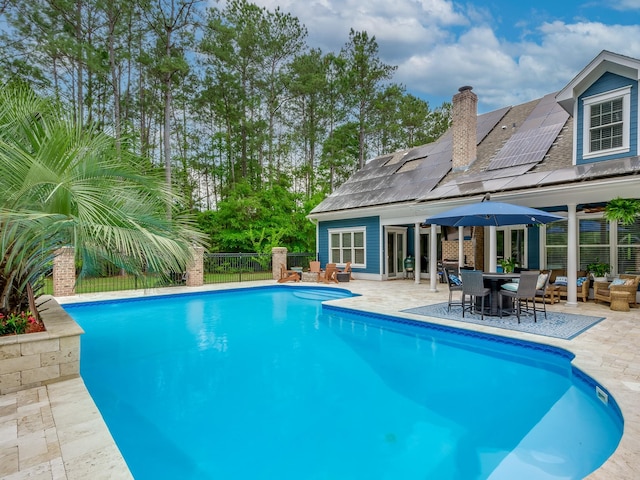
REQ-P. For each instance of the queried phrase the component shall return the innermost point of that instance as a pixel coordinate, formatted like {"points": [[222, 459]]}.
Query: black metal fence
{"points": [[218, 268]]}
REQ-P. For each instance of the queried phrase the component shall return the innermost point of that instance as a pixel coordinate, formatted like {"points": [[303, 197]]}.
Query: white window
{"points": [[606, 123], [348, 245]]}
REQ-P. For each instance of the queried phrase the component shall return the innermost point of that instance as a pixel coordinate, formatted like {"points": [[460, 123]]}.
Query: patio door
{"points": [[512, 243], [396, 251]]}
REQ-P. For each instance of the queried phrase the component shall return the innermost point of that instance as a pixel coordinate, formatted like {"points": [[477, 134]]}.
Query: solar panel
{"points": [[534, 137]]}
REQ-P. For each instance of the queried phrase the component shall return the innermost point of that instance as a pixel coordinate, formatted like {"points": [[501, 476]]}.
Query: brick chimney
{"points": [[463, 126]]}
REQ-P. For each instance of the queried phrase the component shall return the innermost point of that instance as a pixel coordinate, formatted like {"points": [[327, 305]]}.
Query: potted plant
{"points": [[599, 270], [623, 210], [508, 265]]}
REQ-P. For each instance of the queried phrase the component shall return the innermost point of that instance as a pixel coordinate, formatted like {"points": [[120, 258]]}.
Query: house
{"points": [[569, 152]]}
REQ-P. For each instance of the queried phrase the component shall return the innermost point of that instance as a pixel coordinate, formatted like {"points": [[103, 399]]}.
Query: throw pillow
{"points": [[542, 278], [629, 281], [511, 286], [581, 280], [561, 281], [617, 281], [455, 280]]}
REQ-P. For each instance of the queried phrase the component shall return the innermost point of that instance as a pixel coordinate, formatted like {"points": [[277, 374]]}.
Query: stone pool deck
{"points": [[56, 432]]}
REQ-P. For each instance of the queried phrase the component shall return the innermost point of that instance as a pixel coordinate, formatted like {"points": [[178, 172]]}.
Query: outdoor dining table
{"points": [[494, 281]]}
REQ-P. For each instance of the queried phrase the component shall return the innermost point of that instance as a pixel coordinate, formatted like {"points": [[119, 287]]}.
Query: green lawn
{"points": [[127, 282]]}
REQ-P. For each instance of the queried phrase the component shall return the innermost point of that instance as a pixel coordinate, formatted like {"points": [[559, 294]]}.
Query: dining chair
{"points": [[542, 291], [473, 287], [450, 277], [525, 291]]}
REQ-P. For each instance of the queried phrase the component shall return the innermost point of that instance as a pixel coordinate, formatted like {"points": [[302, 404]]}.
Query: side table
{"points": [[619, 301]]}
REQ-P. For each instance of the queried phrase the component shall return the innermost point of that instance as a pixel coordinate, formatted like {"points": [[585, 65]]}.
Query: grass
{"points": [[128, 282]]}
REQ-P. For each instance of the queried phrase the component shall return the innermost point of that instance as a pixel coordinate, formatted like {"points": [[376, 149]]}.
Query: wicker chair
{"points": [[602, 290]]}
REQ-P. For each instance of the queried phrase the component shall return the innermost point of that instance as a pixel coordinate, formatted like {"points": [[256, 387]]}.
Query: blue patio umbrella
{"points": [[492, 213]]}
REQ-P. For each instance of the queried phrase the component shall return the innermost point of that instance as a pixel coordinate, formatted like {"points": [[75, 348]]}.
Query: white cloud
{"points": [[438, 46]]}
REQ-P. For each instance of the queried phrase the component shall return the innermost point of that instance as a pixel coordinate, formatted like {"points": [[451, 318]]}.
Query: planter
{"points": [[35, 359]]}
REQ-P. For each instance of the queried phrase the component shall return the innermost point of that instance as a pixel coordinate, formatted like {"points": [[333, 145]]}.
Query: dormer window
{"points": [[607, 123]]}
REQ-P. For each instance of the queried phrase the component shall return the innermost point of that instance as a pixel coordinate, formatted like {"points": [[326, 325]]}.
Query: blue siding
{"points": [[372, 225], [606, 83]]}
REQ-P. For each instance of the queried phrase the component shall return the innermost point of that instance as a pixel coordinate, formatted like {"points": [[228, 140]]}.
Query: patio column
{"points": [[417, 257], [278, 260], [572, 256], [195, 269], [460, 247], [493, 249], [433, 258], [64, 272]]}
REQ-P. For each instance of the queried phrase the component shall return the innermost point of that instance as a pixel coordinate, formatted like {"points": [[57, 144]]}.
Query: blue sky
{"points": [[510, 51]]}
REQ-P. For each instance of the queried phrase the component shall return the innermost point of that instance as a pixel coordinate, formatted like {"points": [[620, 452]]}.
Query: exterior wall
{"points": [[605, 83], [372, 225], [36, 359]]}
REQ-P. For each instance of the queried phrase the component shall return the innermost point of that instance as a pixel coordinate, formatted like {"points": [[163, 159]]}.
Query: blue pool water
{"points": [[265, 383]]}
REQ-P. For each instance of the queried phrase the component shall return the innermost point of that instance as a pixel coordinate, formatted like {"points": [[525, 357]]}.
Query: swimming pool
{"points": [[265, 383]]}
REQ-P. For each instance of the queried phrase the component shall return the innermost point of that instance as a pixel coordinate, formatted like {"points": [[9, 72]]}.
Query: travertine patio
{"points": [[56, 432]]}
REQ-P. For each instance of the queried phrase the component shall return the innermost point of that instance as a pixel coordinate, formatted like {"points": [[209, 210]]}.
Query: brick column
{"points": [[64, 272], [195, 269], [278, 260]]}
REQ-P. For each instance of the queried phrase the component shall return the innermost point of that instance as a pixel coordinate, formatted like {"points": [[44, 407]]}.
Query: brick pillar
{"points": [[278, 260], [195, 269], [464, 120], [64, 272]]}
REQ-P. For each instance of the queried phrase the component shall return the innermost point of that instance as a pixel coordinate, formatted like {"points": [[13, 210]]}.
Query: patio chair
{"points": [[450, 277], [288, 275], [473, 287], [329, 274], [347, 269], [542, 290], [314, 267], [525, 291]]}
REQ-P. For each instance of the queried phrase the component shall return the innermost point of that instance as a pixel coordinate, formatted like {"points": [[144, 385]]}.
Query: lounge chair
{"points": [[288, 275], [347, 269], [329, 274], [314, 267]]}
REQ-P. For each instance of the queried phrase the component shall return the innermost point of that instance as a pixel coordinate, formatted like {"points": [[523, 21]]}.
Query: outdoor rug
{"points": [[557, 324]]}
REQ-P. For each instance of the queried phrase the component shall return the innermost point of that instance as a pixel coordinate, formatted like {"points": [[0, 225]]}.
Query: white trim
{"points": [[587, 102]]}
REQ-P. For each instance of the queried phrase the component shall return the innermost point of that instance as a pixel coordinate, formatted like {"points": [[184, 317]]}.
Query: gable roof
{"points": [[519, 147]]}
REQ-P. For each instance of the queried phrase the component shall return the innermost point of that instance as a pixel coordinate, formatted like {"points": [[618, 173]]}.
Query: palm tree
{"points": [[66, 184]]}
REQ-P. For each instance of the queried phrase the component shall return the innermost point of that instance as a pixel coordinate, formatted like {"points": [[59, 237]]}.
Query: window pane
{"points": [[557, 257], [335, 255], [346, 256], [346, 240], [358, 239], [629, 248], [594, 231], [359, 252], [557, 233], [335, 240]]}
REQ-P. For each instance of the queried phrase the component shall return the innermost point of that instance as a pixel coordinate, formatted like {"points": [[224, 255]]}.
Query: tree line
{"points": [[251, 126]]}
